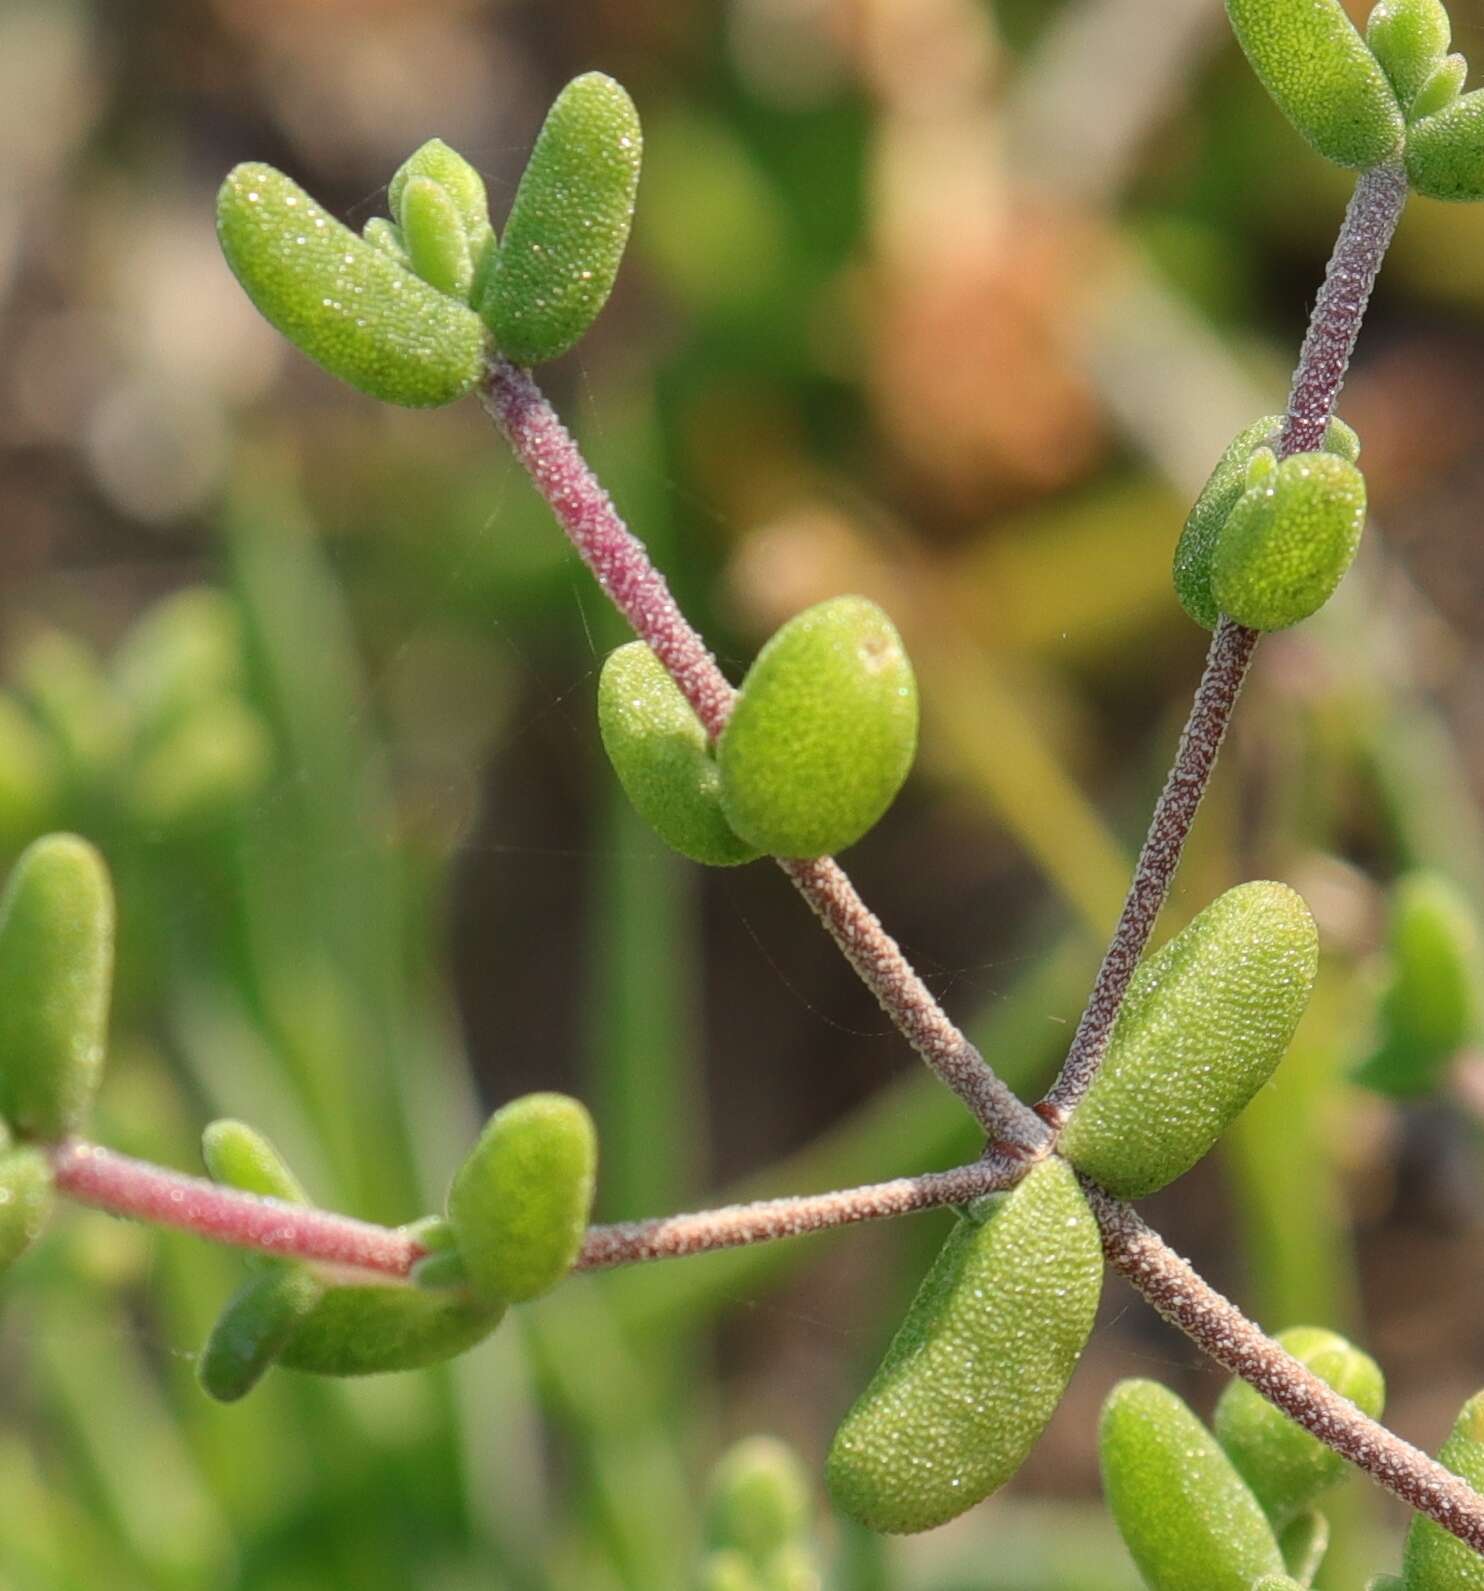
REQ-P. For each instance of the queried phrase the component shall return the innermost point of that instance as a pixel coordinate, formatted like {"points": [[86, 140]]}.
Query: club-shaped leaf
{"points": [[342, 301], [1287, 543], [663, 761], [980, 1362], [1409, 38], [203, 768], [26, 1196], [241, 1157], [1443, 86], [361, 1331], [1187, 1517], [1219, 496], [1431, 1008], [1434, 1560], [1284, 1466], [519, 1204], [823, 733], [1445, 151], [759, 1498], [433, 235], [255, 1327], [1303, 1542], [1205, 1023], [56, 974], [438, 162], [1322, 76], [569, 224]]}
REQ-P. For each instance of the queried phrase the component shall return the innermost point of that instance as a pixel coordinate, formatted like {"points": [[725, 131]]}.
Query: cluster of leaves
{"points": [[517, 1208], [1394, 94], [819, 741], [758, 1521], [161, 737], [1235, 1510]]}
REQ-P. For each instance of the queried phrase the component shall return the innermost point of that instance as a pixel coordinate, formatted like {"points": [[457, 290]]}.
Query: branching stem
{"points": [[1370, 221], [124, 1186], [622, 566]]}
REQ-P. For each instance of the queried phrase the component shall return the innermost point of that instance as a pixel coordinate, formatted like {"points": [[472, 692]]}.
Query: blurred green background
{"points": [[949, 302]]}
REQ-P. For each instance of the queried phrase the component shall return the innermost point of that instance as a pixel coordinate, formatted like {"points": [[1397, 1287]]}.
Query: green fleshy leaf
{"points": [[30, 776], [1304, 1542], [362, 1331], [204, 769], [438, 162], [254, 1328], [1322, 76], [1287, 543], [1285, 1467], [759, 1499], [520, 1203], [1277, 1582], [1185, 1514], [26, 1197], [569, 224], [433, 234], [342, 301], [979, 1364], [663, 761], [387, 236], [1434, 1560], [240, 1157], [1443, 86], [438, 1272], [1409, 38], [1205, 1023], [1445, 152], [186, 650], [823, 733], [1431, 1008], [1219, 496], [56, 975]]}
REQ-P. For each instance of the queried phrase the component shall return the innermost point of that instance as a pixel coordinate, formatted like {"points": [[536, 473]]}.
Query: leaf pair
{"points": [[405, 312], [1269, 542], [1231, 1511], [1435, 1560], [517, 1211], [1364, 101], [820, 741]]}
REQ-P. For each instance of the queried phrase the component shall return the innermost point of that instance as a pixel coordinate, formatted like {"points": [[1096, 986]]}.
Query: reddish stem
{"points": [[125, 1186]]}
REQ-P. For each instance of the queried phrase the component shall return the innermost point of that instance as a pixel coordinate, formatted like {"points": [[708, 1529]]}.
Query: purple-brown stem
{"points": [[623, 568], [1370, 220], [1224, 1333], [121, 1185], [737, 1225], [1226, 667]]}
